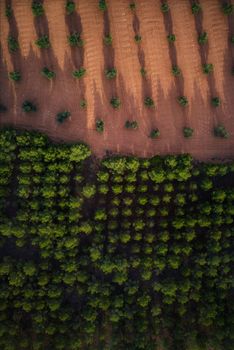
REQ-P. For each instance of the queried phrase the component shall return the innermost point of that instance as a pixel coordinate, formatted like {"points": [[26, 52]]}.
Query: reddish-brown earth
{"points": [[154, 53]]}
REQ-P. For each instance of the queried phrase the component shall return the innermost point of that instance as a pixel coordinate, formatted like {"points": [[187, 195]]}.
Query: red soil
{"points": [[65, 93]]}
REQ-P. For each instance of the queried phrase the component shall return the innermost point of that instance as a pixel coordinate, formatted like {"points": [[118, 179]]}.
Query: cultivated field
{"points": [[154, 53]]}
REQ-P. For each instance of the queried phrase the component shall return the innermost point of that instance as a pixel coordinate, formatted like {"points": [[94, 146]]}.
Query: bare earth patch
{"points": [[65, 92]]}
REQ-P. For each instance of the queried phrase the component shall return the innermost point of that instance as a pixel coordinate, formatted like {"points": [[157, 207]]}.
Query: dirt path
{"points": [[64, 93]]}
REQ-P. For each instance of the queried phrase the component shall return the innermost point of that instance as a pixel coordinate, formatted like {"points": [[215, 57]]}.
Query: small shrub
{"points": [[137, 38], [232, 39], [131, 124], [107, 40], [203, 38], [15, 76], [215, 101], [149, 102], [115, 102], [143, 72], [79, 73], [132, 6], [13, 44], [155, 133], [8, 11], [176, 71], [171, 38], [70, 7], [165, 7], [49, 74], [99, 125], [37, 9], [207, 68], [83, 104], [220, 131], [102, 5], [3, 108], [43, 42], [28, 106], [110, 73], [227, 9], [196, 8], [74, 39], [183, 101], [62, 116], [188, 132]]}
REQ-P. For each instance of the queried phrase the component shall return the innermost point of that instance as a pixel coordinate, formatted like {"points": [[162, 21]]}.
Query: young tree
{"points": [[196, 8], [115, 102], [132, 6], [43, 42], [220, 131], [215, 101], [176, 71], [99, 125], [183, 101], [207, 68], [155, 133], [62, 116], [37, 8], [49, 74], [131, 124], [8, 11], [188, 132], [171, 38], [137, 38], [203, 38], [165, 7], [79, 73], [70, 7], [143, 72], [111, 73], [74, 39], [107, 40], [83, 104], [148, 102], [227, 8], [15, 76], [28, 106], [102, 5], [13, 44]]}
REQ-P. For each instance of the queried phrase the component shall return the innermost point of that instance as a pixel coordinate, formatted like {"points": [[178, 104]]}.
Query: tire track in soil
{"points": [[14, 32], [74, 25], [204, 54]]}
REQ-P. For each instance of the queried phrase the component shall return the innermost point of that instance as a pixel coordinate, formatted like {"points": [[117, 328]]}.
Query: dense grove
{"points": [[123, 254]]}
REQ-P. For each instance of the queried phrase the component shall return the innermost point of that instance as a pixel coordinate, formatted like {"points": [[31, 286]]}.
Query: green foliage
{"points": [[132, 6], [215, 101], [137, 38], [70, 7], [131, 124], [74, 39], [188, 132], [220, 131], [108, 40], [115, 102], [143, 72], [62, 116], [176, 71], [102, 5], [37, 8], [13, 44], [196, 8], [15, 76], [171, 38], [183, 101], [203, 38], [43, 42], [232, 39], [99, 125], [28, 107], [8, 11], [165, 7], [111, 73], [148, 102], [123, 253], [49, 74], [83, 104], [207, 68], [155, 133], [227, 8], [79, 73]]}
